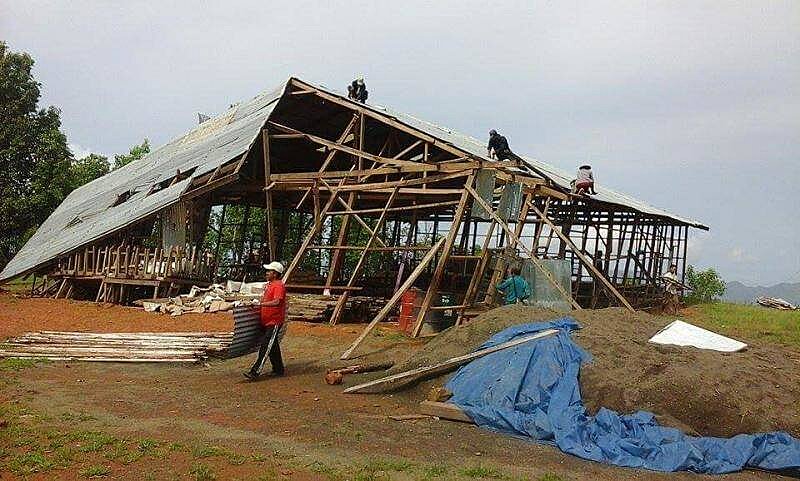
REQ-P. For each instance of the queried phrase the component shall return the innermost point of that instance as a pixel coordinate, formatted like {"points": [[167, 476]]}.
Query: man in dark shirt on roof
{"points": [[498, 146]]}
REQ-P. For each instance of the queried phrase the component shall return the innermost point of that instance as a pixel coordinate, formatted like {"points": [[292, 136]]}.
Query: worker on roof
{"points": [[498, 146], [357, 90], [273, 319], [584, 182], [515, 288]]}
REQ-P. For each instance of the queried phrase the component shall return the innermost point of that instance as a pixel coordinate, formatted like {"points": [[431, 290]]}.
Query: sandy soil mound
{"points": [[704, 392]]}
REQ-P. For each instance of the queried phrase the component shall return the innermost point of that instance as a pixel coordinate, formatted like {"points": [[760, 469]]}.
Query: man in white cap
{"points": [[273, 317]]}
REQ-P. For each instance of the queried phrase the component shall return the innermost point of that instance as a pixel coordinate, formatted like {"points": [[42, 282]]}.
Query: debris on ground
{"points": [[679, 333], [219, 298], [698, 391], [335, 376], [776, 303], [117, 347]]}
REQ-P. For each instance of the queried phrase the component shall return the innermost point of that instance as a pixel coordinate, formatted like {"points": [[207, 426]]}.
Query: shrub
{"points": [[707, 285]]}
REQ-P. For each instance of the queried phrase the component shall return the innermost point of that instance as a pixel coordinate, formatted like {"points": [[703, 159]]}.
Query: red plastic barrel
{"points": [[407, 309]]}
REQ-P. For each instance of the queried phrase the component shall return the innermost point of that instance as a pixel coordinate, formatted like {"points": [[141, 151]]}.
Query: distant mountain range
{"points": [[737, 292]]}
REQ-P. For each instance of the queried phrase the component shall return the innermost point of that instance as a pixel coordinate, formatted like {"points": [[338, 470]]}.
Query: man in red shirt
{"points": [[273, 318]]}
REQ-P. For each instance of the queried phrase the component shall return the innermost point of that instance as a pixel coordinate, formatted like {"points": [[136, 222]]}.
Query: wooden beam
{"points": [[424, 372], [399, 209], [586, 262], [423, 264], [268, 197], [515, 240]]}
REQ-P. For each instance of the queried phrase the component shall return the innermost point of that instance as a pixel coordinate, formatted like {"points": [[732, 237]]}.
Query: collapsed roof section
{"points": [[207, 156]]}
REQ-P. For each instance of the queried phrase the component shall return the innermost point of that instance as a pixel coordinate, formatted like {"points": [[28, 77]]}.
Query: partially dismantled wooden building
{"points": [[354, 199]]}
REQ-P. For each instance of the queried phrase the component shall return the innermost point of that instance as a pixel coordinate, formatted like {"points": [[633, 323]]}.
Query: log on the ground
{"points": [[444, 411], [335, 376], [405, 378]]}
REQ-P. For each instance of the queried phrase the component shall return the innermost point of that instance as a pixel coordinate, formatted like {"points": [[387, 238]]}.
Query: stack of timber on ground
{"points": [[301, 307], [776, 303], [349, 193], [117, 347]]}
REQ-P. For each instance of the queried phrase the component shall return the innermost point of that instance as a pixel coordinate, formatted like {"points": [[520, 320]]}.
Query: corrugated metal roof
{"points": [[88, 213]]}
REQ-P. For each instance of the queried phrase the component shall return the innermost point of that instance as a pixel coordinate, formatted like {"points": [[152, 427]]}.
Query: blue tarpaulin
{"points": [[532, 391]]}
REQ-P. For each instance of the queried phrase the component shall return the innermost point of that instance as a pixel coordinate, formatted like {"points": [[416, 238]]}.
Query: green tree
{"points": [[136, 153], [33, 152], [88, 168], [707, 285]]}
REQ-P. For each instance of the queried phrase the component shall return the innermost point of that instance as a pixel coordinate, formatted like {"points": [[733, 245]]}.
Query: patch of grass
{"points": [[434, 471], [750, 322], [201, 472], [63, 456], [390, 465], [329, 472], [482, 472], [11, 364], [95, 471], [80, 417], [147, 446], [207, 451], [92, 441], [550, 477], [29, 463]]}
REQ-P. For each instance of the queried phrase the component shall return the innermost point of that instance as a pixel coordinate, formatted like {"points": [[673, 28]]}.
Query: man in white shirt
{"points": [[672, 285]]}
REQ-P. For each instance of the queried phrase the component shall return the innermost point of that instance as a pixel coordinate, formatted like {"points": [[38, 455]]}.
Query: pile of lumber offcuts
{"points": [[219, 297], [117, 347], [776, 303]]}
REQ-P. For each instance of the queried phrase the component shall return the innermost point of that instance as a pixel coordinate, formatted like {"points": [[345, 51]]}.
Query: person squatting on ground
{"points": [[357, 90], [498, 147], [672, 301], [273, 318], [584, 182], [515, 288]]}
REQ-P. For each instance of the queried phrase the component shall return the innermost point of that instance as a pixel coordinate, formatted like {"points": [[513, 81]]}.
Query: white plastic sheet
{"points": [[681, 333]]}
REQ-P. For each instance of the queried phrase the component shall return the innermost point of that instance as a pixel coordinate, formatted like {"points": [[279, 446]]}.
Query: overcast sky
{"points": [[691, 106]]}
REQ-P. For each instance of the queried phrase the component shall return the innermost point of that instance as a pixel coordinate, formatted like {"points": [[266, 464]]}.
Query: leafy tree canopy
{"points": [[38, 168], [136, 153]]}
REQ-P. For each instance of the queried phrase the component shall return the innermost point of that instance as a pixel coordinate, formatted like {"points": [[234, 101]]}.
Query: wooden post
{"points": [[396, 297], [268, 196], [433, 288], [589, 265], [474, 283]]}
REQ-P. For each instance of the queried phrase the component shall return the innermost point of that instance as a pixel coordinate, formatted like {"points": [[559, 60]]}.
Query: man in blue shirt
{"points": [[515, 288]]}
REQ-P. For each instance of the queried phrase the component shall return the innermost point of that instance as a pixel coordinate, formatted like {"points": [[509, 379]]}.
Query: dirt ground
{"points": [[203, 422]]}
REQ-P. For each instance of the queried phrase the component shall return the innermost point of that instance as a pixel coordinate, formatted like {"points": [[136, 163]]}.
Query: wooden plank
{"points": [[448, 411], [419, 373], [430, 205], [586, 262], [532, 256], [395, 298]]}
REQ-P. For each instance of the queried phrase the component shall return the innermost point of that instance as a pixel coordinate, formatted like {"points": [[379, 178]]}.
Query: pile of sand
{"points": [[705, 392]]}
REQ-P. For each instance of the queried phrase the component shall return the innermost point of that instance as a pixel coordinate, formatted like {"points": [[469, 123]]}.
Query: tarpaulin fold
{"points": [[531, 391]]}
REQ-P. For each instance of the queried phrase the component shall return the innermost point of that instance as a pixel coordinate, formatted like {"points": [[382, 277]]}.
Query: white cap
{"points": [[274, 266]]}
